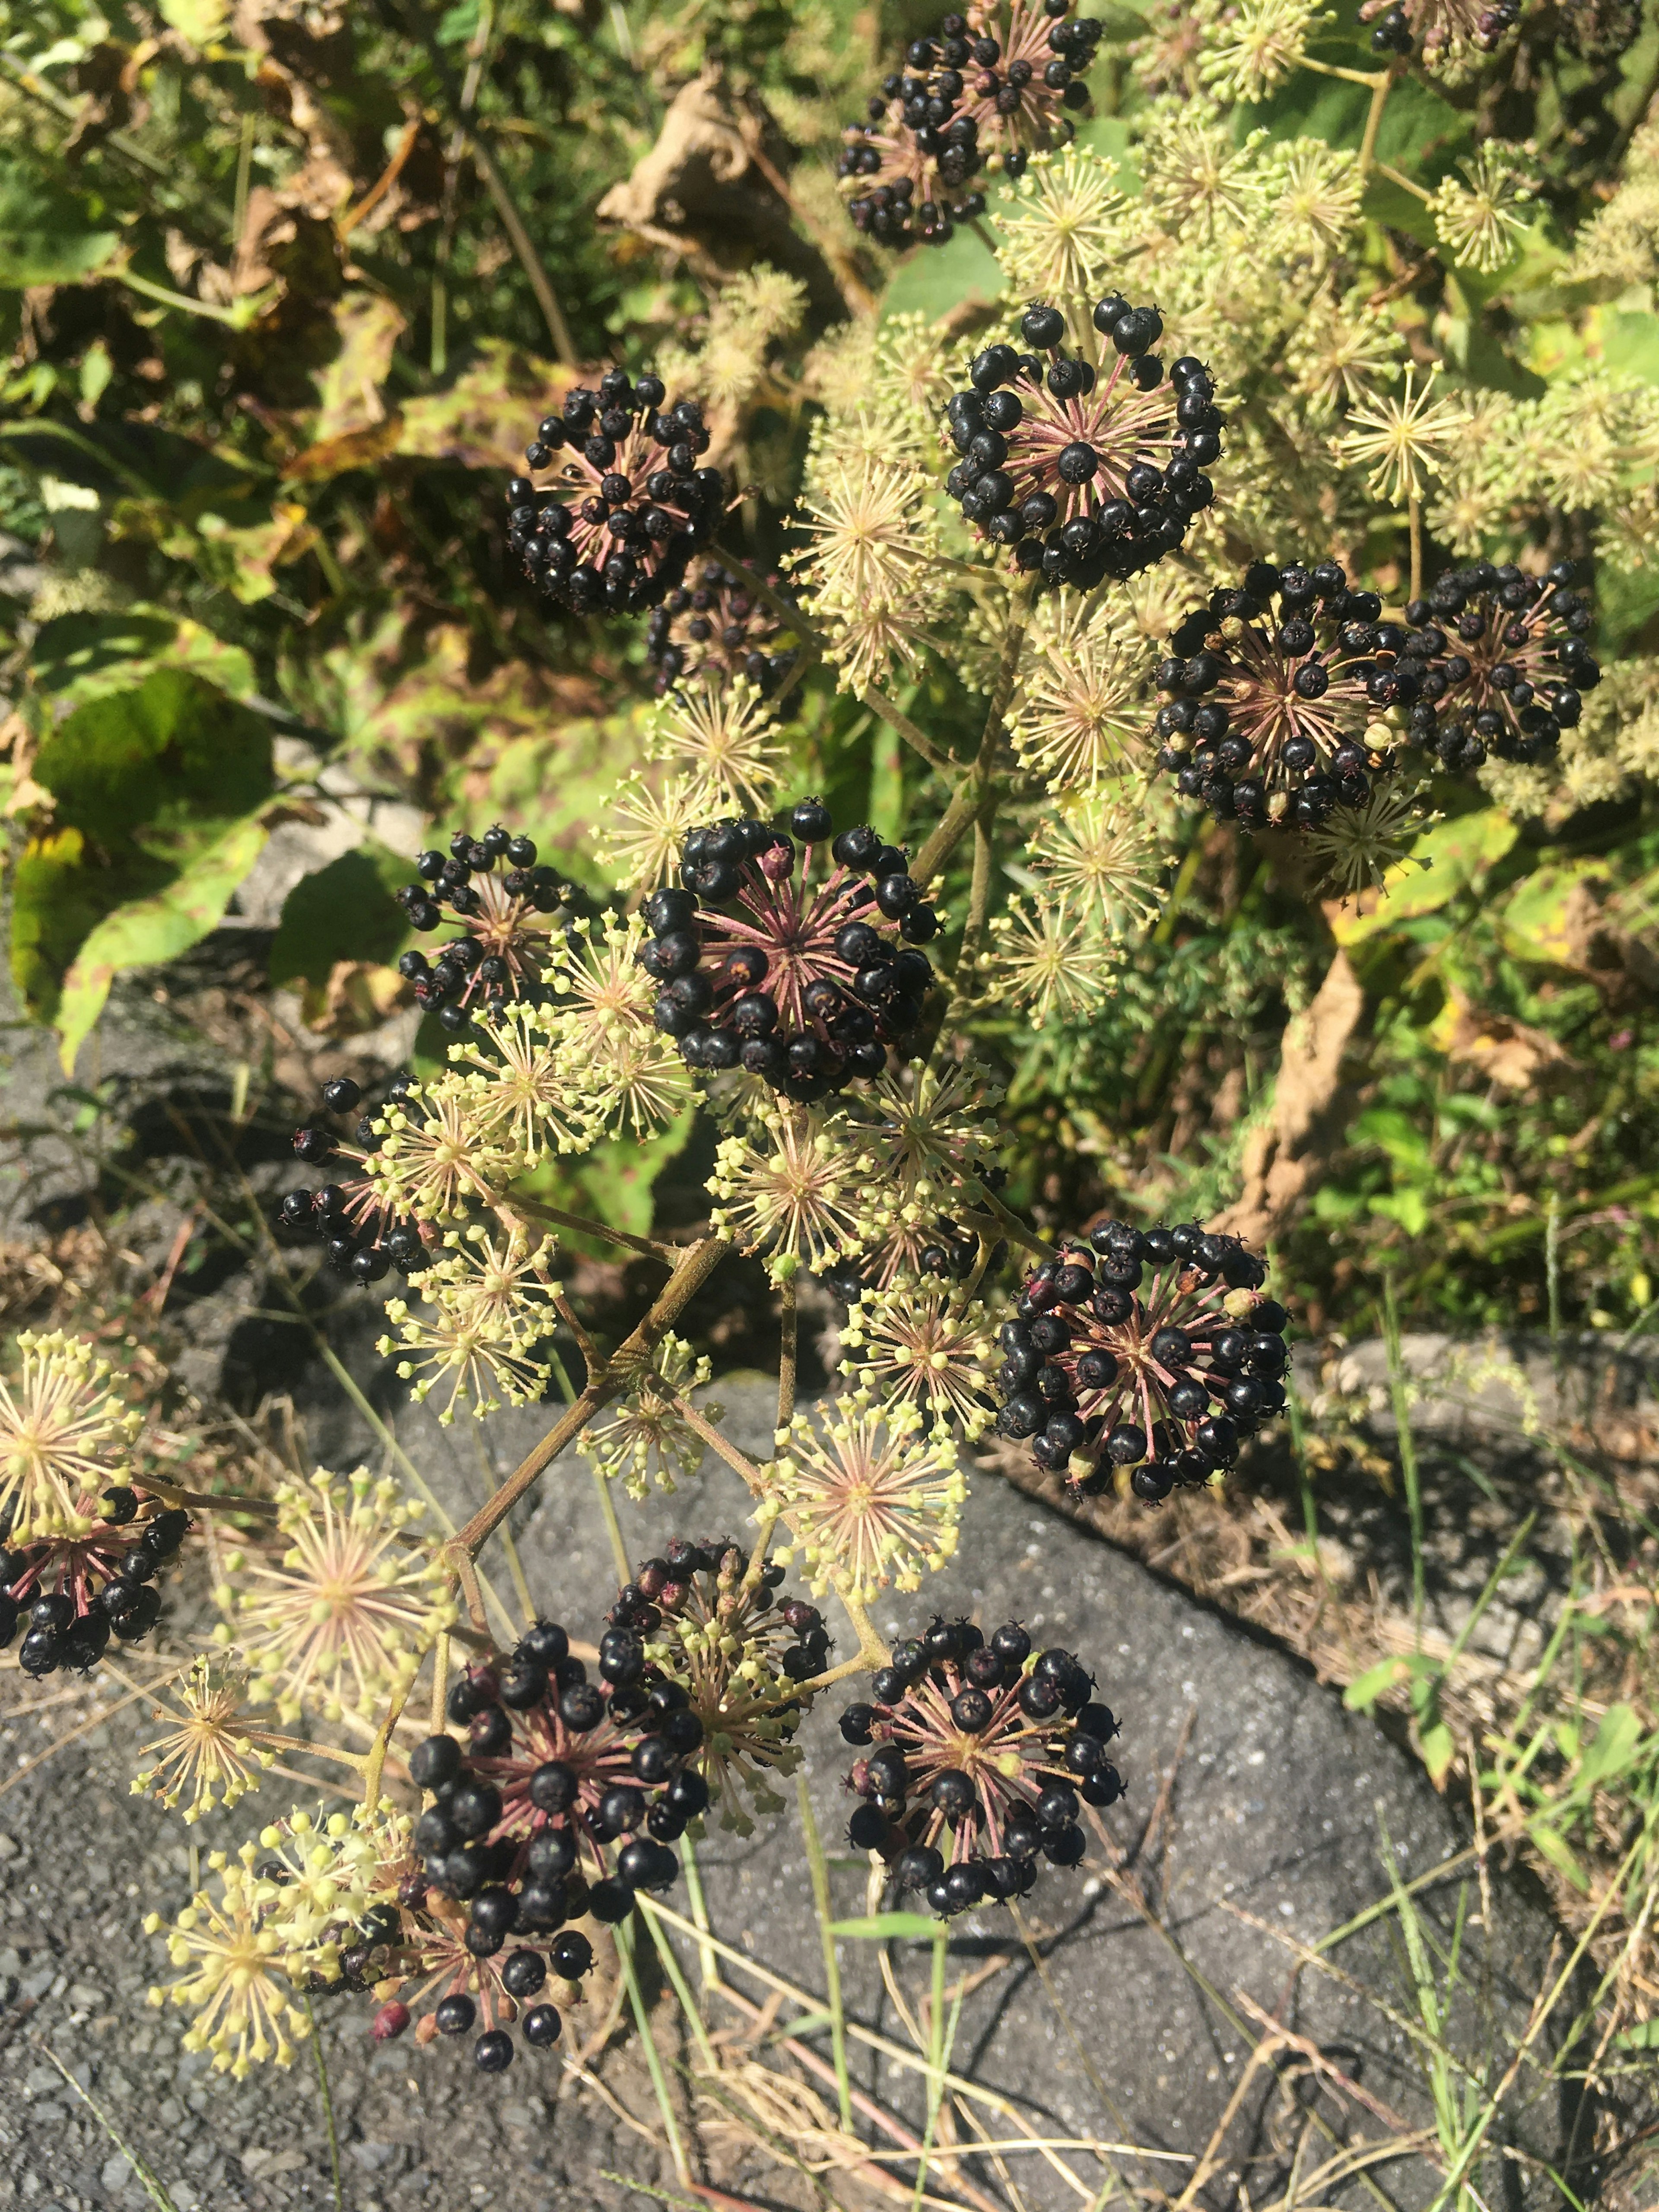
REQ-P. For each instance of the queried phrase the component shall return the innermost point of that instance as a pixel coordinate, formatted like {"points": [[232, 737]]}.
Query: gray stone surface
{"points": [[1261, 1797]]}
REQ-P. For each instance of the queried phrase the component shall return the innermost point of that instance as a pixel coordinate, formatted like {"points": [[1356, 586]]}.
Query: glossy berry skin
{"points": [[69, 1595], [1149, 1357], [1507, 656], [1274, 695], [978, 1766], [799, 964], [975, 97], [614, 503], [1085, 465]]}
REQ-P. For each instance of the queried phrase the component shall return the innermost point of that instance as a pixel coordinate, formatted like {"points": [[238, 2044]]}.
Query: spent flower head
{"points": [[65, 1435], [923, 1346], [869, 1495], [643, 1438], [213, 1753]]}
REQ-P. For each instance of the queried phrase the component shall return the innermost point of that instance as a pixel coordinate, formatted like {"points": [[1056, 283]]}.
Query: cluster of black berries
{"points": [[982, 1755], [1507, 660], [1085, 472], [1392, 33], [362, 1240], [1450, 22], [1266, 715], [1154, 1350], [625, 505], [716, 622], [772, 962], [102, 1582], [669, 1585], [501, 952], [975, 96]]}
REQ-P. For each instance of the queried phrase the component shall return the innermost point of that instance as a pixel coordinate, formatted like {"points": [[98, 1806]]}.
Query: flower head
{"points": [[743, 1654], [231, 1977], [213, 1753], [621, 504], [869, 1496], [924, 1346], [1356, 847], [342, 1616], [1101, 853], [643, 1438], [1116, 1355], [524, 1092], [1079, 713], [65, 1435], [314, 1879], [647, 826], [1251, 47], [1061, 224], [792, 1185], [715, 624], [801, 982], [1450, 33], [1277, 720], [503, 918], [491, 1299], [1047, 959], [432, 1159], [1083, 469], [1406, 441], [980, 1755], [1480, 217], [1511, 676], [719, 730]]}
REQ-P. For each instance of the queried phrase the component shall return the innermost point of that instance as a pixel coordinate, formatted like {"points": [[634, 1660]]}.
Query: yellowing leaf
{"points": [[1444, 860], [152, 929], [201, 21]]}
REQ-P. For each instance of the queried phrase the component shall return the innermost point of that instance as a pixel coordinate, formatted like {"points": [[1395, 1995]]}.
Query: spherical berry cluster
{"points": [[1508, 663], [1272, 718], [983, 1754], [70, 1591], [977, 96], [349, 1212], [1439, 24], [557, 1768], [621, 504], [1085, 470], [803, 982], [715, 1623], [1115, 1357], [716, 622], [502, 951]]}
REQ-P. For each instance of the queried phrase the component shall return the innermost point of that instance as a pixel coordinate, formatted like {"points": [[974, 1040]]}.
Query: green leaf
{"points": [[1612, 1749], [1549, 1844], [1361, 1695], [1630, 342], [879, 1927], [154, 929], [162, 769], [1644, 2036], [937, 281], [613, 1183], [1533, 919], [56, 899], [1438, 1750], [80, 657], [46, 236], [346, 911], [479, 420], [1444, 860]]}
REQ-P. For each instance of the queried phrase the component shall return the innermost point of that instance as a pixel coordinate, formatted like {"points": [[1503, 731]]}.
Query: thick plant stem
{"points": [[898, 720], [739, 1462], [693, 1271], [789, 1345], [1382, 86]]}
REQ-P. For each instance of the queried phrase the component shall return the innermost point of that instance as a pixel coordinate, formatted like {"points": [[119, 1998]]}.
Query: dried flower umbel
{"points": [[1085, 469], [1509, 654], [982, 1755], [801, 982], [1275, 718], [1155, 1350], [621, 504]]}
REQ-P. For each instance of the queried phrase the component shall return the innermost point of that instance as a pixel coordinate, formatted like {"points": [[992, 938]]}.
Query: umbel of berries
{"points": [[614, 503], [1274, 696], [556, 1770], [905, 170], [714, 623], [1088, 465], [68, 1593], [348, 1212], [497, 893], [1153, 1349], [1507, 657], [980, 1758], [792, 956]]}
